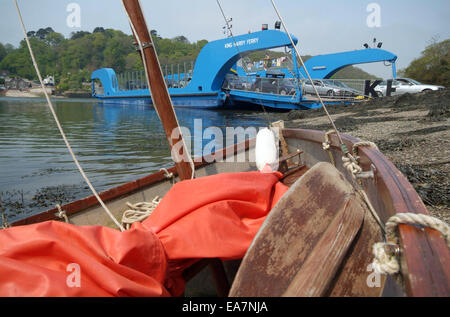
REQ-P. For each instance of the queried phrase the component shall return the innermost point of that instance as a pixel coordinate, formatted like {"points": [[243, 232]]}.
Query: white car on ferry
{"points": [[405, 85]]}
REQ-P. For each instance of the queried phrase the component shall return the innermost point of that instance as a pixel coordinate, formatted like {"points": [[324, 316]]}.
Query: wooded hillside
{"points": [[72, 60]]}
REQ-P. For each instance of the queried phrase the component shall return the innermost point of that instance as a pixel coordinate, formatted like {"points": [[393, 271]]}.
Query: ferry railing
{"points": [[176, 76], [132, 80], [288, 87], [357, 84]]}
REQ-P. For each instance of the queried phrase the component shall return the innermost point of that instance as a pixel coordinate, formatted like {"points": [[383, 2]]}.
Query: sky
{"points": [[405, 27]]}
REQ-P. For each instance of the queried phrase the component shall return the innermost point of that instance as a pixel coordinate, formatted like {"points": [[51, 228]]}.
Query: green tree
{"points": [[433, 66], [78, 34], [99, 29], [3, 52], [18, 62], [72, 60], [54, 39]]}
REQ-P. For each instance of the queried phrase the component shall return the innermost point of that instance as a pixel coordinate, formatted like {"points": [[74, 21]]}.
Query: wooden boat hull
{"points": [[424, 273]]}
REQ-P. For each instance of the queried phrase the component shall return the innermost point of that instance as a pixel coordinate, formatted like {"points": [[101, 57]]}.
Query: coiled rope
{"points": [[50, 105], [139, 212], [386, 262]]}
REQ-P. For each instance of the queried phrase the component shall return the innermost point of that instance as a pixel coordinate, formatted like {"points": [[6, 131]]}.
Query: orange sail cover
{"points": [[210, 217]]}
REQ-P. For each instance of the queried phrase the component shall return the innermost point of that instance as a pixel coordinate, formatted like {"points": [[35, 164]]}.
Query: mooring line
{"points": [[245, 66], [50, 105], [307, 73]]}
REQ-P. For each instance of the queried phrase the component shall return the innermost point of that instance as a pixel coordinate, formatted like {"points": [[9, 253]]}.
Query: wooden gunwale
{"points": [[425, 257]]}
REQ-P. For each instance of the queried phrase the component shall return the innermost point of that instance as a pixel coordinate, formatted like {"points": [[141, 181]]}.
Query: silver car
{"points": [[404, 85], [345, 89], [323, 88]]}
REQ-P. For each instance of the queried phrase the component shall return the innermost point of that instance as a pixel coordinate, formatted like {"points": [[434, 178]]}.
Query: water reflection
{"points": [[115, 143]]}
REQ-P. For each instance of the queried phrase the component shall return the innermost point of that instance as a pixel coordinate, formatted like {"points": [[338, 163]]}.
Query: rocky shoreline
{"points": [[413, 131], [38, 93]]}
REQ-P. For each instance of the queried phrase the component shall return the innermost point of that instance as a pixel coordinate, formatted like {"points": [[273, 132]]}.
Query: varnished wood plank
{"points": [[356, 278], [323, 262], [419, 243], [291, 232], [292, 176]]}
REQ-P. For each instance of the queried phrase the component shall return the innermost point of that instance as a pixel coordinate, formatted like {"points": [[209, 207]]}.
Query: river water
{"points": [[115, 144]]}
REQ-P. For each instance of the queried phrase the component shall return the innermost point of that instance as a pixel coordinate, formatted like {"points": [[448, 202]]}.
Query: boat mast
{"points": [[158, 90]]}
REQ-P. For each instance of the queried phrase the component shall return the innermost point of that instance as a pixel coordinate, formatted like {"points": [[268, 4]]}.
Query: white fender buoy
{"points": [[266, 150]]}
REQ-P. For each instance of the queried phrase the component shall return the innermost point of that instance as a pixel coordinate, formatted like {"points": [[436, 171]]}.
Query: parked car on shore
{"points": [[323, 88], [405, 85], [346, 90]]}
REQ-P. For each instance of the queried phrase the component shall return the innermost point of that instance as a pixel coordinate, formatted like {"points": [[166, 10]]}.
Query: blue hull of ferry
{"points": [[236, 97], [204, 101]]}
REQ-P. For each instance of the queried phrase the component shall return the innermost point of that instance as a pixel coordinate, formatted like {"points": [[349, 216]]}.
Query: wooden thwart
{"points": [[322, 263], [304, 240]]}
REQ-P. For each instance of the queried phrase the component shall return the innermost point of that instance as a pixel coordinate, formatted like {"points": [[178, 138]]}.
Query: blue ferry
{"points": [[212, 65], [210, 84]]}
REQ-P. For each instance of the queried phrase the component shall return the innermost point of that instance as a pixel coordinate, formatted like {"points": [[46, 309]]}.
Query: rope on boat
{"points": [[62, 214], [351, 166], [307, 73], [351, 163], [385, 261], [385, 253], [50, 105], [139, 212], [362, 143], [166, 173], [141, 49], [327, 146], [355, 170]]}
